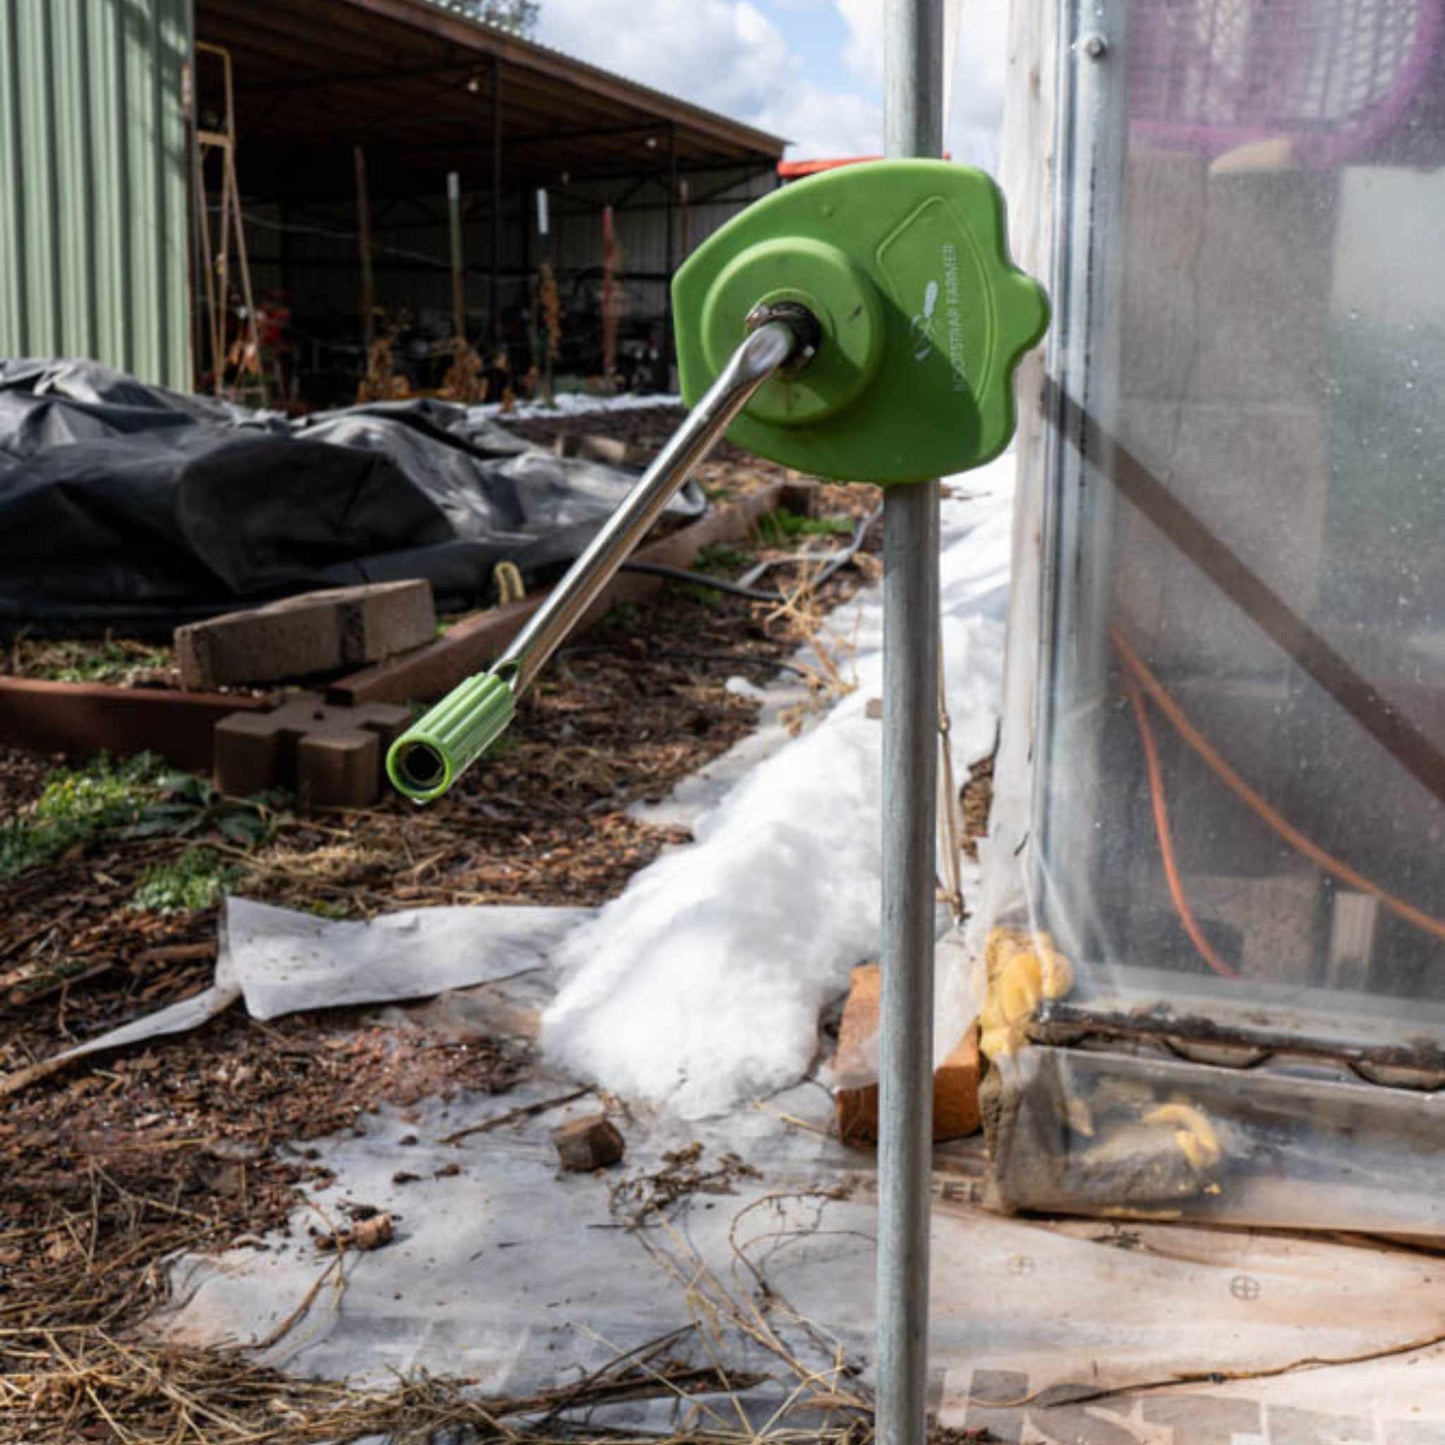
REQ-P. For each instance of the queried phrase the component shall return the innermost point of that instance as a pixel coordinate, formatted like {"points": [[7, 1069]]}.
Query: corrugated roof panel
{"points": [[93, 183]]}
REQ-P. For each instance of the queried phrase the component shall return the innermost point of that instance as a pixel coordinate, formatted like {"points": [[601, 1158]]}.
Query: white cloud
{"points": [[977, 33], [728, 56], [826, 123], [723, 54], [863, 49], [714, 52]]}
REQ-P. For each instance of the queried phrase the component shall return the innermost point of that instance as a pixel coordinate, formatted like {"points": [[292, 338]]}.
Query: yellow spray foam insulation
{"points": [[1079, 1116], [1022, 969], [1196, 1135]]}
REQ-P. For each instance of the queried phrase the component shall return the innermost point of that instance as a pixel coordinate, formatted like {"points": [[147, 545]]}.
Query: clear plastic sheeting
{"points": [[1221, 794], [1157, 1137], [280, 961], [286, 962]]}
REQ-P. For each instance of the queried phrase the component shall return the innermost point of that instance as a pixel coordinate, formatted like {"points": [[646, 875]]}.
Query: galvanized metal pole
{"points": [[913, 126]]}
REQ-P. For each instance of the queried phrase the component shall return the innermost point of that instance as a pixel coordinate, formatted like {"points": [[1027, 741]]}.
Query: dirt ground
{"points": [[622, 714], [118, 1161]]}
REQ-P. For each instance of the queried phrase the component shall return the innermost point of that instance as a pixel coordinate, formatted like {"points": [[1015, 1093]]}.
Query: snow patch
{"points": [[701, 984]]}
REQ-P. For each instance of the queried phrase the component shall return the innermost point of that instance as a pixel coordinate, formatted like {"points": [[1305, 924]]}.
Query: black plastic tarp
{"points": [[131, 507]]}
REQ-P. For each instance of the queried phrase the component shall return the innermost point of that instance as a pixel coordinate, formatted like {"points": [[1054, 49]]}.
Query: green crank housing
{"points": [[905, 266]]}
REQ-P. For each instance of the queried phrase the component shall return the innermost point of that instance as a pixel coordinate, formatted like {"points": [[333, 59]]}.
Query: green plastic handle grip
{"points": [[436, 749]]}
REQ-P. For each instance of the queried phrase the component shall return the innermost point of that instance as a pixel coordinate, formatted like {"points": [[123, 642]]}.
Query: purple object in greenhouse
{"points": [[1336, 78]]}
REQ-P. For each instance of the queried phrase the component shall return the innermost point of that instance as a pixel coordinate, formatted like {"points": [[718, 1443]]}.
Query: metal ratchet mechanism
{"points": [[425, 761]]}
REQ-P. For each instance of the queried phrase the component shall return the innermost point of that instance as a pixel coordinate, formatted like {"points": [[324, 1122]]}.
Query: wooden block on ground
{"points": [[590, 1143], [855, 1099], [315, 632], [247, 754], [856, 1110], [340, 769], [860, 1014], [331, 756]]}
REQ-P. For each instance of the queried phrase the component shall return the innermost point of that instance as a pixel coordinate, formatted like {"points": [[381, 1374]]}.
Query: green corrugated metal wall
{"points": [[93, 183]]}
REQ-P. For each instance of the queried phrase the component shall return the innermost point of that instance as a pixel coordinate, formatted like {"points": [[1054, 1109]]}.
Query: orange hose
{"points": [[1166, 839], [1252, 800]]}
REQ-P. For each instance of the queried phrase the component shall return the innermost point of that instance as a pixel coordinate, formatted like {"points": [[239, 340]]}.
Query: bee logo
{"points": [[921, 328]]}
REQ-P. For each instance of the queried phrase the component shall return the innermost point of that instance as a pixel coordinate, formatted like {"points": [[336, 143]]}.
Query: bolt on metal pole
{"points": [[913, 126]]}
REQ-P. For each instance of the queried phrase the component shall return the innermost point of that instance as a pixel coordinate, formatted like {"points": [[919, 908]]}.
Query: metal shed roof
{"points": [[414, 85]]}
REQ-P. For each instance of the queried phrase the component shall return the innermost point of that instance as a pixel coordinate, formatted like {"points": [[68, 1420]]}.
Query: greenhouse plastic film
{"points": [[1212, 924]]}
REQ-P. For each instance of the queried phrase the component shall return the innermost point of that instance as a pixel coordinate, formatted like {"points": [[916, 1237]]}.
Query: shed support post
{"points": [[669, 351], [459, 266], [363, 239], [495, 317]]}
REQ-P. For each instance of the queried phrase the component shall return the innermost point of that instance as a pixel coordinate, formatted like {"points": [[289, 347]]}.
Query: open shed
{"points": [[346, 106]]}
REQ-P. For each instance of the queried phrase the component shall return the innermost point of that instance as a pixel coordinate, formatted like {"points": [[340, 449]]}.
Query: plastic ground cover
{"points": [[279, 961], [506, 1272], [119, 501]]}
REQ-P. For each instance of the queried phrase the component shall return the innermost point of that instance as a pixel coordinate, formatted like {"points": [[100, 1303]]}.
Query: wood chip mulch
{"points": [[187, 1142]]}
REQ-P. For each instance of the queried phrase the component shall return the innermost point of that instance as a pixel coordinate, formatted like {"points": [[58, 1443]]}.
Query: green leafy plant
{"points": [[783, 528], [77, 805], [708, 596], [333, 908], [134, 798], [189, 805], [111, 659], [721, 558], [196, 880], [108, 661], [623, 614]]}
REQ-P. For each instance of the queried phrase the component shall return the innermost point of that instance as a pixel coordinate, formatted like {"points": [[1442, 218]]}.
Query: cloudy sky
{"points": [[809, 70]]}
